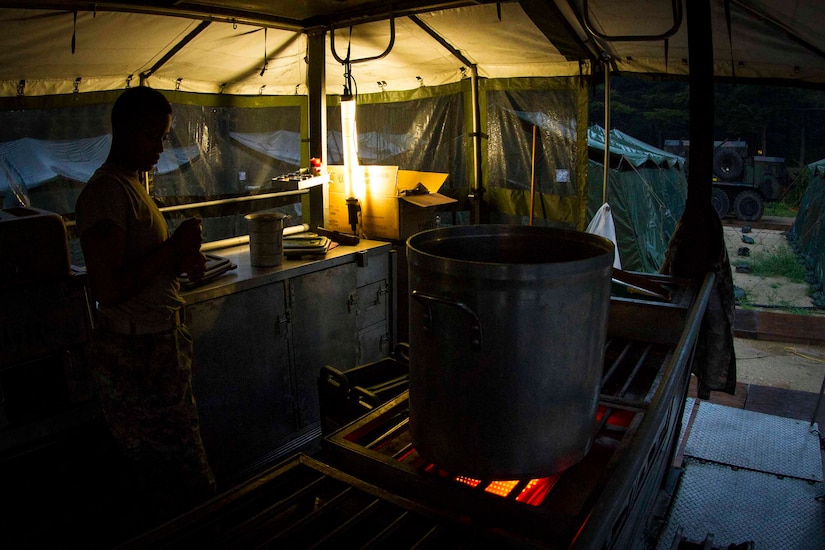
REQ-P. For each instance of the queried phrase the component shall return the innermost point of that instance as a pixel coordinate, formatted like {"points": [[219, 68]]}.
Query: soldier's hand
{"points": [[194, 266], [188, 237]]}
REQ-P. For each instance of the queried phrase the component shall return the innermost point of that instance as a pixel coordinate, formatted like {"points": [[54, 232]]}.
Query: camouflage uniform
{"points": [[145, 388], [697, 247]]}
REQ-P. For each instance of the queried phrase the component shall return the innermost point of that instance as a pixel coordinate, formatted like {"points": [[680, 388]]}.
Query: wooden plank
{"points": [[780, 326], [646, 321]]}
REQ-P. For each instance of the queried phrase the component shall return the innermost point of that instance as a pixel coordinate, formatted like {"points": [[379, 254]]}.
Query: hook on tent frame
{"points": [[383, 54], [676, 6]]}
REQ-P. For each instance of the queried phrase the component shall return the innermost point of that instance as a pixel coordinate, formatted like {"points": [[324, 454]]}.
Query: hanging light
{"points": [[349, 136]]}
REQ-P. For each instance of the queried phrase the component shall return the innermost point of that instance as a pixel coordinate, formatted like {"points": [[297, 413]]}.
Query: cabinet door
{"points": [[376, 303], [242, 375], [323, 312], [372, 321]]}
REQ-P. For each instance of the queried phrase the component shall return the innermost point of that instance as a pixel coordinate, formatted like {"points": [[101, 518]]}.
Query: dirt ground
{"points": [[773, 292], [780, 365], [763, 362]]}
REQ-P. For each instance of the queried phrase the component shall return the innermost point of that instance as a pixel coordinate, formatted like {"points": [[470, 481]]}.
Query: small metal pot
{"points": [[266, 238]]}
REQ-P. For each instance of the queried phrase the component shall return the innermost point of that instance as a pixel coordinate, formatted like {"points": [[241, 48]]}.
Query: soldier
{"points": [[142, 353]]}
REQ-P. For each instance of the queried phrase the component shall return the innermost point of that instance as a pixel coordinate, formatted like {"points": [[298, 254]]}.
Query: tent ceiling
{"points": [[767, 40]]}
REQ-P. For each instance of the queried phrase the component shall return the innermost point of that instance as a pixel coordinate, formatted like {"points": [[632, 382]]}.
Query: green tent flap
{"points": [[632, 150], [808, 232], [646, 191]]}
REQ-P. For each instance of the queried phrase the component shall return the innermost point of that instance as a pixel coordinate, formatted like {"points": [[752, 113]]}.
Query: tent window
{"points": [[422, 134], [212, 153]]}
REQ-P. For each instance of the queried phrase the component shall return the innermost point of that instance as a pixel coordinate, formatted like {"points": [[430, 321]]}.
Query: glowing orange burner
{"points": [[533, 493]]}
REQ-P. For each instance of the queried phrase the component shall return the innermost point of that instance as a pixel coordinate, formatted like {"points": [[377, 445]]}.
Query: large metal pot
{"points": [[507, 329]]}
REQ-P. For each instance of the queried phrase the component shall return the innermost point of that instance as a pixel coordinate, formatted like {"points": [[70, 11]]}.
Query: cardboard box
{"points": [[386, 211]]}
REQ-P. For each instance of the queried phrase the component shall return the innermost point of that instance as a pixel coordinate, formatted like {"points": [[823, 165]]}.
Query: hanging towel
{"points": [[602, 224]]}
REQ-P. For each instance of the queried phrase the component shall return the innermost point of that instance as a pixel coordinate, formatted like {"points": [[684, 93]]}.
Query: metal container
{"points": [[33, 247], [266, 238], [507, 331]]}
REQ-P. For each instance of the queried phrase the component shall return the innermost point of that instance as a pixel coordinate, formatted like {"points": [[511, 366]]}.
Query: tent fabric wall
{"points": [[211, 154], [415, 131], [258, 47], [241, 58], [646, 191], [556, 171], [224, 146], [249, 50], [808, 232]]}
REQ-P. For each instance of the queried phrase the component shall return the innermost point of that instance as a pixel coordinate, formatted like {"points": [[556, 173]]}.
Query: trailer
{"points": [[742, 184]]}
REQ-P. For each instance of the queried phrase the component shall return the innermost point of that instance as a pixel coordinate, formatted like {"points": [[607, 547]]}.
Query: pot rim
{"points": [[602, 247]]}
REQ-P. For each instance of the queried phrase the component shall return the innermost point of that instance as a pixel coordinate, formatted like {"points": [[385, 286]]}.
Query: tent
{"points": [[252, 47], [808, 232], [646, 193], [462, 70]]}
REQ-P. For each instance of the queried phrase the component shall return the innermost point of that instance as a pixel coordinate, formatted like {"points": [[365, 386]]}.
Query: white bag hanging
{"points": [[602, 224]]}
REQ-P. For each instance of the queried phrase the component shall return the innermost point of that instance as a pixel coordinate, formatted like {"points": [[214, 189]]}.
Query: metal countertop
{"points": [[246, 276]]}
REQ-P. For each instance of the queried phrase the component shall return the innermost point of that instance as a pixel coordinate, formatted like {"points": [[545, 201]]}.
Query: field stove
{"points": [[368, 487]]}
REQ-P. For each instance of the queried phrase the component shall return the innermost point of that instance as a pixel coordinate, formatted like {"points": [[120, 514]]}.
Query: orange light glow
{"points": [[537, 490], [468, 481], [501, 488], [533, 493], [618, 417]]}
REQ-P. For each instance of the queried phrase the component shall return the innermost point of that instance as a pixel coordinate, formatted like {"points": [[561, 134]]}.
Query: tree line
{"points": [[775, 121]]}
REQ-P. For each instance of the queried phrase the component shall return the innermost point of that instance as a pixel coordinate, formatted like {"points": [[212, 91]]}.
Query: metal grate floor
{"points": [[737, 506], [749, 476], [755, 441]]}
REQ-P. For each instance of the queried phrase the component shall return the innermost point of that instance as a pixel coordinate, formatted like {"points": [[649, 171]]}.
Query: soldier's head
{"points": [[141, 120]]}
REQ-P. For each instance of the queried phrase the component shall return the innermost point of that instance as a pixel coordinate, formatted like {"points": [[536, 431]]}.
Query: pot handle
{"points": [[428, 300]]}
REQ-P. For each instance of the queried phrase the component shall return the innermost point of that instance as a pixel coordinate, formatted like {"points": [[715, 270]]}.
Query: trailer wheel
{"points": [[748, 206], [727, 164], [721, 202]]}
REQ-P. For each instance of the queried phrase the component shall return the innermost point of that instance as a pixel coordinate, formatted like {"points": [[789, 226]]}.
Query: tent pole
{"points": [[533, 177], [317, 119], [606, 128], [476, 190], [700, 78], [316, 81]]}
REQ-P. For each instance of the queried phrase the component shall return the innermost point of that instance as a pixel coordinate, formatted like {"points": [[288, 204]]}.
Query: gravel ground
{"points": [[774, 292], [768, 363]]}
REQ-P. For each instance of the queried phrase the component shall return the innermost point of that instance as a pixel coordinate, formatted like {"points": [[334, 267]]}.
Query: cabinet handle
{"points": [[282, 320]]}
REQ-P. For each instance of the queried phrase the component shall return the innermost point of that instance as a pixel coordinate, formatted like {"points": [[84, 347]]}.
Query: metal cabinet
{"points": [[323, 323], [46, 385], [259, 349], [241, 374]]}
